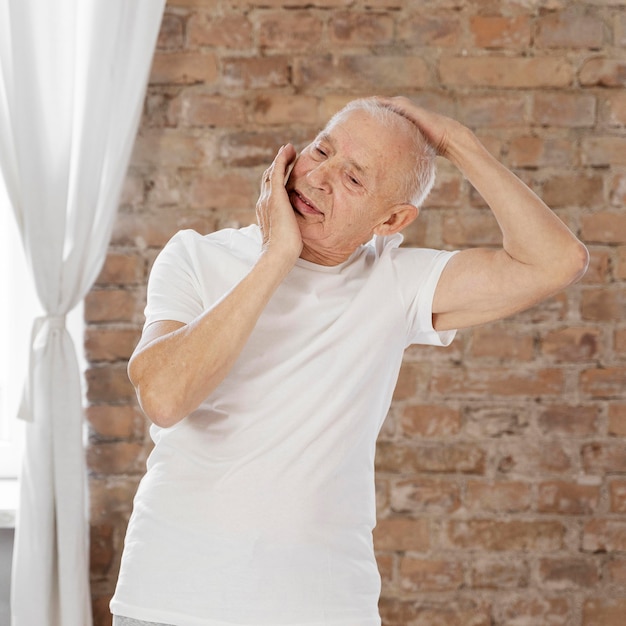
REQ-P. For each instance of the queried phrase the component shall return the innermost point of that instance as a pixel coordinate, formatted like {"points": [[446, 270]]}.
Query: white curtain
{"points": [[73, 75]]}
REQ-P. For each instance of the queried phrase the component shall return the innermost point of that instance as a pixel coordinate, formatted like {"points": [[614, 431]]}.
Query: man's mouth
{"points": [[302, 204]]}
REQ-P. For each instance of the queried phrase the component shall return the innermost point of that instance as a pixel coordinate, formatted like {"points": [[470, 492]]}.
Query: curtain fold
{"points": [[73, 75]]}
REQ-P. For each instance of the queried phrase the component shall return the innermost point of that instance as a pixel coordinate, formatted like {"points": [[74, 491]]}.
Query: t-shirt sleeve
{"points": [[173, 289], [419, 270]]}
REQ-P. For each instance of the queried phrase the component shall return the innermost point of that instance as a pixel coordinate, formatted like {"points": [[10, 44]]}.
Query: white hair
{"points": [[421, 177]]}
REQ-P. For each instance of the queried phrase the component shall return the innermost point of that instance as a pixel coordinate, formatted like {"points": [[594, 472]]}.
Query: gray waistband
{"points": [[120, 620]]}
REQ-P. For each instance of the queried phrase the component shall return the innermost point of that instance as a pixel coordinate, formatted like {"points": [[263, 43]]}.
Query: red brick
{"points": [[604, 457], [421, 495], [604, 227], [532, 610], [573, 190], [494, 421], [569, 29], [568, 110], [502, 342], [117, 458], [386, 568], [446, 191], [116, 421], [619, 341], [531, 151], [183, 68], [255, 72], [355, 28], [285, 109], [227, 191], [133, 189], [617, 494], [398, 533], [429, 575], [497, 31], [568, 498], [457, 612], [101, 612], [111, 497], [532, 458], [604, 612], [602, 151], [430, 29], [603, 73], [490, 574], [604, 383], [619, 29], [448, 458], [101, 549], [572, 344], [155, 229], [247, 148], [110, 344], [193, 108], [109, 384], [569, 420], [498, 496], [598, 270], [412, 378], [616, 571], [620, 270], [614, 108], [618, 188], [121, 269], [617, 420], [498, 381], [168, 149], [495, 535], [601, 535], [228, 31], [567, 573], [493, 111], [477, 228], [362, 72], [112, 305], [498, 71], [292, 30], [171, 33], [430, 421], [603, 305]]}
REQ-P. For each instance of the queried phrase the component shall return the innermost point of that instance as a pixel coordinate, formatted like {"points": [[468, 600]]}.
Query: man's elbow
{"points": [[578, 262], [155, 402]]}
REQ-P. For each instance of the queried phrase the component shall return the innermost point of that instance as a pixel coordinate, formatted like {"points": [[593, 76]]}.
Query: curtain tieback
{"points": [[55, 322]]}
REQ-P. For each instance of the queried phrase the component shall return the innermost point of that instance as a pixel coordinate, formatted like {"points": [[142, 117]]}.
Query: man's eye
{"points": [[354, 181], [320, 151]]}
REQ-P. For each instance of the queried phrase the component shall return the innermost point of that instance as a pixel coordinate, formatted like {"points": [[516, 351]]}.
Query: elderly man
{"points": [[269, 358]]}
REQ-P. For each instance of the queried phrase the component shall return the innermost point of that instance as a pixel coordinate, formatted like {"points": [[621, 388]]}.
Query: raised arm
{"points": [[539, 254], [176, 366]]}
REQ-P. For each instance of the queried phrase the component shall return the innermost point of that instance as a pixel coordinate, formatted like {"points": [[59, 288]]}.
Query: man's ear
{"points": [[400, 217]]}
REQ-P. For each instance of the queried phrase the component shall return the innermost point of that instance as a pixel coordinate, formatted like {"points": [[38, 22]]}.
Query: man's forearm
{"points": [[173, 373]]}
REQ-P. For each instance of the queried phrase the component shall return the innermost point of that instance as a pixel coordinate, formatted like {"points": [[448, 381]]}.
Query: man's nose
{"points": [[320, 176]]}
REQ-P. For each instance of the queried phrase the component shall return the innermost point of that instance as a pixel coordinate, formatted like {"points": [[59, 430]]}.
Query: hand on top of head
{"points": [[436, 128]]}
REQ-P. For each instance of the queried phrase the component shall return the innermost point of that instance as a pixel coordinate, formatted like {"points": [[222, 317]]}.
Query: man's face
{"points": [[345, 184]]}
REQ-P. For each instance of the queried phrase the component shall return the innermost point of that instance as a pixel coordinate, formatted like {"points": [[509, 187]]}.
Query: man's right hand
{"points": [[281, 234]]}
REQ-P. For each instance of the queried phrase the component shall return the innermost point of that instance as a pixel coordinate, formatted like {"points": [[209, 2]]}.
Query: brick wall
{"points": [[502, 464]]}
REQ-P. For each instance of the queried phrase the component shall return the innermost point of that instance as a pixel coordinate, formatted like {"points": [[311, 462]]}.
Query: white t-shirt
{"points": [[258, 507]]}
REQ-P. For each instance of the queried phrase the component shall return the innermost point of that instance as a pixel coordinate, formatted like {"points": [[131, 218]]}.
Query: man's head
{"points": [[366, 173], [420, 159]]}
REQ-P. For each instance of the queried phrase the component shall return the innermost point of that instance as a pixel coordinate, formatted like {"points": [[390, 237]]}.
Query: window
{"points": [[17, 305]]}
